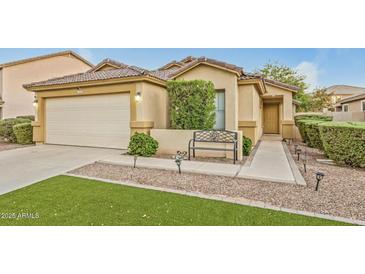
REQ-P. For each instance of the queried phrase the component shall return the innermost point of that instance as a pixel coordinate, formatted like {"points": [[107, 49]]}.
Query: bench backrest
{"points": [[215, 136]]}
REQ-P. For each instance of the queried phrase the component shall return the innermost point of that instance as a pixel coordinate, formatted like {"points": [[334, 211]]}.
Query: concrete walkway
{"points": [[25, 166], [270, 163]]}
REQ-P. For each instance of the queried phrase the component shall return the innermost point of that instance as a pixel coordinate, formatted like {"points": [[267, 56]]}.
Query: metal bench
{"points": [[214, 136]]}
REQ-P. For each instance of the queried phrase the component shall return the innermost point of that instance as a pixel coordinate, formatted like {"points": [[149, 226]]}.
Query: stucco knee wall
{"points": [[173, 140]]}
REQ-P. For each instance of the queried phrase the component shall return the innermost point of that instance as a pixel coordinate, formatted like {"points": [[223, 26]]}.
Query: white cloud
{"points": [[86, 53], [311, 71]]}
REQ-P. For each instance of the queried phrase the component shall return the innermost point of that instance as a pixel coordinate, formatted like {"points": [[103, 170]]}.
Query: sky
{"points": [[322, 67]]}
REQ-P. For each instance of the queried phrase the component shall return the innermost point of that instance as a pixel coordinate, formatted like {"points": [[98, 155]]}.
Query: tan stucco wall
{"points": [[286, 110], [173, 140], [355, 106], [287, 113], [221, 80], [154, 104], [250, 112], [18, 101]]}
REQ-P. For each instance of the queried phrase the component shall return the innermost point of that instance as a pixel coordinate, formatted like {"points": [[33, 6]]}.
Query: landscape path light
{"points": [[299, 150], [135, 160], [319, 177], [179, 157], [295, 148]]}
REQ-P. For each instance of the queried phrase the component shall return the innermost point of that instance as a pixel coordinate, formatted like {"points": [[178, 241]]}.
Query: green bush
{"points": [[246, 146], [311, 133], [192, 104], [312, 117], [344, 142], [6, 128], [142, 144], [30, 117], [302, 120], [23, 133]]}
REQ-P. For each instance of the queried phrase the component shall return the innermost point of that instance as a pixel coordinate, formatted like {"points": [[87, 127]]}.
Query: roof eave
{"points": [[97, 83]]}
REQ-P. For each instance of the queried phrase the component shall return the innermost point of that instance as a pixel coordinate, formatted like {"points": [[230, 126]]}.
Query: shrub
{"points": [[23, 133], [311, 132], [30, 117], [344, 142], [301, 121], [142, 144], [6, 128], [312, 117], [192, 104], [246, 146]]}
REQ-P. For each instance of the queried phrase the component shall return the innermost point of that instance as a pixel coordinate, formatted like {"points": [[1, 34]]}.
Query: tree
{"points": [[289, 76], [320, 100]]}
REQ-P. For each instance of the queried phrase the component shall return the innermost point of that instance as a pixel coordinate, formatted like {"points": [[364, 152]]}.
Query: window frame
{"points": [[224, 93], [362, 105], [343, 107]]}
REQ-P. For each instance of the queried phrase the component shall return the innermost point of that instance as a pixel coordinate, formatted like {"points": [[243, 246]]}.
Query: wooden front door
{"points": [[271, 118]]}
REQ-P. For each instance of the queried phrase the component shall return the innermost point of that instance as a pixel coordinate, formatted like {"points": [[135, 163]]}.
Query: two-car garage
{"points": [[88, 120]]}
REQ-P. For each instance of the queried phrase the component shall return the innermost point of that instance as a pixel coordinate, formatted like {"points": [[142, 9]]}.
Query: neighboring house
{"points": [[107, 104], [354, 103], [14, 100], [339, 92]]}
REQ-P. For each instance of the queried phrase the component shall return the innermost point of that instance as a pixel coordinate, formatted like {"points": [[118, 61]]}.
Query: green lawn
{"points": [[65, 200]]}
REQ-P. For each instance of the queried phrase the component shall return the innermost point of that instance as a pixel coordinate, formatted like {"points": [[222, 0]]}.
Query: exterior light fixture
{"points": [[35, 103], [319, 177], [135, 160], [179, 157], [138, 97], [305, 160], [295, 149], [299, 150]]}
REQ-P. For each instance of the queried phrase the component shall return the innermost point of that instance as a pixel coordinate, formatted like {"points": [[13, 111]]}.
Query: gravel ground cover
{"points": [[341, 192], [7, 146]]}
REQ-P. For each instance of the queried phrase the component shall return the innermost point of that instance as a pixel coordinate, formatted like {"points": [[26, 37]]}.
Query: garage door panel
{"points": [[98, 120]]}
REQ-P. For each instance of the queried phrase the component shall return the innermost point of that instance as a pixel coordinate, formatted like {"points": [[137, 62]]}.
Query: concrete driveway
{"points": [[25, 166]]}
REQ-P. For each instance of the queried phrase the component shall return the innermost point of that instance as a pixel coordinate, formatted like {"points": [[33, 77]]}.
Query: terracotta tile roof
{"points": [[270, 81], [161, 74], [352, 98], [203, 59], [172, 63], [88, 76], [108, 61]]}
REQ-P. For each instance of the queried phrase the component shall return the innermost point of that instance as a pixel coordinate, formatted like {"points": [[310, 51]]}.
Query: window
{"points": [[363, 105], [220, 110], [345, 108]]}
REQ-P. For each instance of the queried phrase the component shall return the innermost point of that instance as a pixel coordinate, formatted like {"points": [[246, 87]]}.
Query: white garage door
{"points": [[97, 120]]}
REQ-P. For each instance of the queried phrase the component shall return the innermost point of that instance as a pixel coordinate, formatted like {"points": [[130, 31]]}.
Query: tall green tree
{"points": [[290, 76]]}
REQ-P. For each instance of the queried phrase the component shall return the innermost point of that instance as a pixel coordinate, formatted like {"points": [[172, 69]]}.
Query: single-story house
{"points": [[14, 101], [355, 103], [105, 105]]}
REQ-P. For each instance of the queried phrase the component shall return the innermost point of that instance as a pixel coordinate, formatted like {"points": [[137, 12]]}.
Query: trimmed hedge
{"points": [[344, 142], [301, 122], [246, 146], [310, 129], [30, 117], [142, 144], [23, 133], [6, 128], [312, 117], [192, 104]]}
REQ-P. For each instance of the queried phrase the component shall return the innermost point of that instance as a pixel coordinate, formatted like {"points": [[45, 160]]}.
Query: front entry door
{"points": [[271, 118]]}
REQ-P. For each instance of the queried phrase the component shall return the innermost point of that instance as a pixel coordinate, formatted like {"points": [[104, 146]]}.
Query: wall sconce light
{"points": [[35, 103], [138, 97]]}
